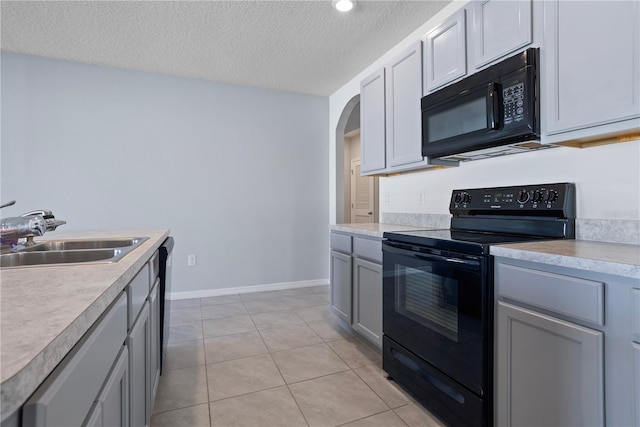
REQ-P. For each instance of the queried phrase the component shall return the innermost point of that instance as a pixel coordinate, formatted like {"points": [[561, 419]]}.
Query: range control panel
{"points": [[539, 199]]}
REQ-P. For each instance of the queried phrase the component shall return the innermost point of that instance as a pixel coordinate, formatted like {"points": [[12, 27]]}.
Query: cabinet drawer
{"points": [[366, 248], [635, 303], [340, 242], [137, 292], [569, 296], [154, 268], [67, 395]]}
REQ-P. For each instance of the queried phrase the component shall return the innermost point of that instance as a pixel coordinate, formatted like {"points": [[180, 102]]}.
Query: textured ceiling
{"points": [[296, 46]]}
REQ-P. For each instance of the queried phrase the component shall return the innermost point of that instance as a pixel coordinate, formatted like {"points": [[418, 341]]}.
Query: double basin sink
{"points": [[56, 252]]}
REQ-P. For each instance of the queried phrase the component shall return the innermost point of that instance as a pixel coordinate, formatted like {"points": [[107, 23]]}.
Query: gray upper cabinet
{"points": [[445, 58], [404, 119], [550, 372], [499, 28], [391, 118], [592, 67], [372, 124]]}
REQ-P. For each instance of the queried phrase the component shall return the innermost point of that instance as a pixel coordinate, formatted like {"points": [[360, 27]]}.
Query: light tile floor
{"points": [[276, 358]]}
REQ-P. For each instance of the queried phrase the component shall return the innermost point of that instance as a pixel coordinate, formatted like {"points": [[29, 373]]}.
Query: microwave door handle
{"points": [[493, 99]]}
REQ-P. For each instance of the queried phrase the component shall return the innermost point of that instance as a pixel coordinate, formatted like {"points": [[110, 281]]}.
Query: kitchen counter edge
{"points": [[373, 229], [616, 259]]}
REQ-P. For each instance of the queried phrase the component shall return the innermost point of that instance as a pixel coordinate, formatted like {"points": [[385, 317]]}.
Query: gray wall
{"points": [[239, 174]]}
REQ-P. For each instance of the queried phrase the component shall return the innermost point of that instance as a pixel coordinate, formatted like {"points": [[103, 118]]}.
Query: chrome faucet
{"points": [[28, 225]]}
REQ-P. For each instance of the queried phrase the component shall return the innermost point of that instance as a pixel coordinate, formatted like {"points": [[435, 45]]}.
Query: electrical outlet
{"points": [[421, 197], [191, 260], [387, 199]]}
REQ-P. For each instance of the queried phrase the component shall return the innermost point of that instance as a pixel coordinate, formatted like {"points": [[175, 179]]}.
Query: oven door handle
{"points": [[459, 261], [406, 250]]}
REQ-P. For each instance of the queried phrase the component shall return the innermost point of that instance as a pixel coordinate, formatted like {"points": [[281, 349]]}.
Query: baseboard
{"points": [[245, 289]]}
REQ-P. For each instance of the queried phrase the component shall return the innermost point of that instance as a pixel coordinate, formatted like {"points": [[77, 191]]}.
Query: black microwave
{"points": [[492, 112]]}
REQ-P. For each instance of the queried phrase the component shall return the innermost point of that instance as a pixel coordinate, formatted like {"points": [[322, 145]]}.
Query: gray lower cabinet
{"points": [[566, 341], [112, 407], [138, 342], [67, 397], [636, 381], [340, 284], [367, 299], [154, 338], [356, 284], [550, 372], [110, 378]]}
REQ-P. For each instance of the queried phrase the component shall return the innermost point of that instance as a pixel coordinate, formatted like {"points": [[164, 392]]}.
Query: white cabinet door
{"points": [[340, 281], [445, 52], [591, 63], [549, 372], [404, 116], [367, 300], [372, 123], [499, 28]]}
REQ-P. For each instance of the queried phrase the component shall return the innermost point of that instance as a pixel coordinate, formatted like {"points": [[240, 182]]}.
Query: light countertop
{"points": [[609, 258], [45, 310], [374, 229]]}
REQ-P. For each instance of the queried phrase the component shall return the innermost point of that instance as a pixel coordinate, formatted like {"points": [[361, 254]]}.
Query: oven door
{"points": [[435, 305]]}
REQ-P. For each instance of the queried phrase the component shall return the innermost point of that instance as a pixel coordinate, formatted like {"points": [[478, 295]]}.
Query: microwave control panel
{"points": [[513, 103]]}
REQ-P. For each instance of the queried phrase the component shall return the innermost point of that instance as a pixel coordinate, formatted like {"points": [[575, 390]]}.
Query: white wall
{"points": [[607, 177], [239, 174]]}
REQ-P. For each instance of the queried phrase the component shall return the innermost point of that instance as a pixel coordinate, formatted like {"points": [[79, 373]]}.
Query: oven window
{"points": [[459, 120], [429, 299]]}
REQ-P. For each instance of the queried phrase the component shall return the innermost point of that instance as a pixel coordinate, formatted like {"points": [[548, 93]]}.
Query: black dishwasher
{"points": [[165, 304]]}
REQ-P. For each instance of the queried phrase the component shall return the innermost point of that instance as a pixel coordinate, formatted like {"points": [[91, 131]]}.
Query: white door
{"points": [[362, 195]]}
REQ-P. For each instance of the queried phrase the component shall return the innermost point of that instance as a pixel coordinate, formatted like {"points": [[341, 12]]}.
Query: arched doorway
{"points": [[348, 180]]}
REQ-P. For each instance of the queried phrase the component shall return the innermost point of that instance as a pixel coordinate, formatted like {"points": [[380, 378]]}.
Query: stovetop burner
{"points": [[475, 243]]}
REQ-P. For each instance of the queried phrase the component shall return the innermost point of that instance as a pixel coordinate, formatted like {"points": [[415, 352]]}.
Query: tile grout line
{"points": [[206, 371]]}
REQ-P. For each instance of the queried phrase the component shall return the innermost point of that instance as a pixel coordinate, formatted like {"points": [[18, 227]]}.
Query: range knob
{"points": [[466, 197], [523, 197], [537, 196], [552, 195], [457, 198]]}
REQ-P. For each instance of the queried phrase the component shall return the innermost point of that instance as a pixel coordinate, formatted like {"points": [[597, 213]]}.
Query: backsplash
{"points": [[608, 230], [437, 221]]}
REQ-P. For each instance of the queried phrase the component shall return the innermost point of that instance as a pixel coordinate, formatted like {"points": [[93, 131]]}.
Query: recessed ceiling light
{"points": [[343, 5]]}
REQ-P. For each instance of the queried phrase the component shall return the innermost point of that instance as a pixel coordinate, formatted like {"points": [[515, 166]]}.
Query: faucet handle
{"points": [[11, 203], [45, 213]]}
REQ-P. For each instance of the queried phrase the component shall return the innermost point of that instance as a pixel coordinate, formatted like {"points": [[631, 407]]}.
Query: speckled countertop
{"points": [[44, 311], [375, 229], [610, 258]]}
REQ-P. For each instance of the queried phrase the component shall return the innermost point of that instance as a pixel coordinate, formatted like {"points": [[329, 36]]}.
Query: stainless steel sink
{"points": [[57, 252], [66, 245]]}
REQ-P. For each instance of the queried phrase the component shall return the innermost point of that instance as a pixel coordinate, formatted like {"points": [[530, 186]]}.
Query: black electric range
{"points": [[438, 294]]}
